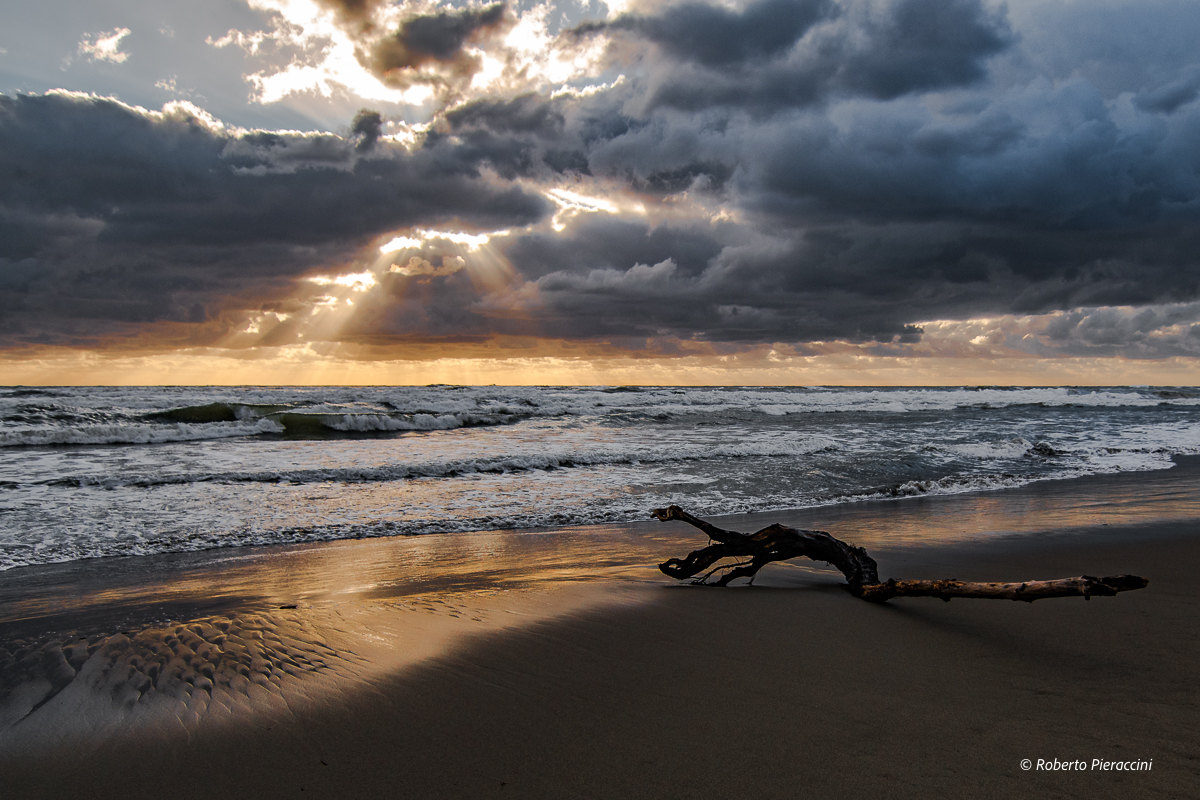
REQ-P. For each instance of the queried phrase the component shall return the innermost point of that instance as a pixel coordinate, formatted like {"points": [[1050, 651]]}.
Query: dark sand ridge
{"points": [[787, 689]]}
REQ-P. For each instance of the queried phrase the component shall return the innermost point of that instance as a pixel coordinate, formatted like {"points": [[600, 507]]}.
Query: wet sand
{"points": [[525, 668]]}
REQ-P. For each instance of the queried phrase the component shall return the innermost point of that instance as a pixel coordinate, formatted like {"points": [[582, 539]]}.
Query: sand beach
{"points": [[562, 664]]}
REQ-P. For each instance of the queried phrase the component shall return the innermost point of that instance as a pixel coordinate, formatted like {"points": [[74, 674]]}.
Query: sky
{"points": [[780, 192]]}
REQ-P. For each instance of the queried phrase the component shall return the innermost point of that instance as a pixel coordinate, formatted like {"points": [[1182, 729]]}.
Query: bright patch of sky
{"points": [[471, 241], [272, 64]]}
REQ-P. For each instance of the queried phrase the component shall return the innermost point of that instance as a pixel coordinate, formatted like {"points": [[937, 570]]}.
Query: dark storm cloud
{"points": [[434, 39], [174, 179], [113, 214], [517, 137], [1028, 200], [923, 44], [1175, 93], [531, 135], [863, 214], [819, 171], [441, 305], [844, 281], [715, 36], [368, 126], [777, 54], [616, 244], [1116, 47], [1047, 156], [354, 13]]}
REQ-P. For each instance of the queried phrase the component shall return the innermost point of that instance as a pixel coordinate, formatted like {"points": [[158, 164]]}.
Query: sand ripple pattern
{"points": [[73, 691], [168, 676]]}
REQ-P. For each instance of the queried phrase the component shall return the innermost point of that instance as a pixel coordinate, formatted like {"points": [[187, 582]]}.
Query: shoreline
{"points": [[183, 581], [518, 669], [973, 502], [825, 509]]}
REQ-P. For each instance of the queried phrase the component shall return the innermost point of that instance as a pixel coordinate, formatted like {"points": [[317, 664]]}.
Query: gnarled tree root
{"points": [[779, 543]]}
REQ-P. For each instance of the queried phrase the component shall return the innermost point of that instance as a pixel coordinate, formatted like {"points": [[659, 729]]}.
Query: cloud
{"points": [[1157, 331], [367, 125], [716, 36], [133, 216], [439, 38], [418, 57], [1174, 93], [104, 46], [359, 14], [871, 172], [419, 266], [1044, 197], [1117, 46], [776, 54]]}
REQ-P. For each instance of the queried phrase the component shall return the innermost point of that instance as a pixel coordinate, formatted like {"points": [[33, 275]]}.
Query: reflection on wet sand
{"points": [[1061, 506], [76, 689], [91, 649]]}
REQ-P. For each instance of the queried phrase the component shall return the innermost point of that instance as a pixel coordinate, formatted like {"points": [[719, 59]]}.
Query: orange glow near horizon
{"points": [[304, 365]]}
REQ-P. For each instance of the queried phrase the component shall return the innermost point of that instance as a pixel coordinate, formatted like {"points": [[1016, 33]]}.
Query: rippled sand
{"points": [[75, 689]]}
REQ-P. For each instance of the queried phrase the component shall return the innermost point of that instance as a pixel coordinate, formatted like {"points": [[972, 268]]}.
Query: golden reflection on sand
{"points": [[1060, 506], [90, 650], [257, 666]]}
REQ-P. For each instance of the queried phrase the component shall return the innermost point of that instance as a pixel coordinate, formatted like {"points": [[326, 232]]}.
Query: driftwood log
{"points": [[779, 543]]}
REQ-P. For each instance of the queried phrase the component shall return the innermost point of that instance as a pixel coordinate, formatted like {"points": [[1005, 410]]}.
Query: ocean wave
{"points": [[1075, 463], [30, 391], [462, 467], [677, 402], [310, 457], [314, 418], [339, 411], [704, 504], [954, 484], [221, 421], [135, 433], [1015, 447], [899, 401], [369, 423], [218, 412]]}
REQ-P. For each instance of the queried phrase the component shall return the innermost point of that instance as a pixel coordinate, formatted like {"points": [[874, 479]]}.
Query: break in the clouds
{"points": [[1020, 179]]}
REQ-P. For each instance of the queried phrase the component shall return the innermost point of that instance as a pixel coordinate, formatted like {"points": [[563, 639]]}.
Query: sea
{"points": [[96, 472]]}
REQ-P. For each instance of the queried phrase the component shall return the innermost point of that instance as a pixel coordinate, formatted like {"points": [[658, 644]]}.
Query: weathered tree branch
{"points": [[779, 543]]}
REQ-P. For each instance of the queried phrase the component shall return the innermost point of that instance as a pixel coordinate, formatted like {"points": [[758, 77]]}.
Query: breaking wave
{"points": [[463, 467], [339, 413], [135, 433], [261, 465], [222, 421]]}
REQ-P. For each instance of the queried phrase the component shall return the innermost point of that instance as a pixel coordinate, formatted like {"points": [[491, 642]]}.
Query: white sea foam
{"points": [[231, 467], [989, 450], [135, 433], [412, 410], [470, 466]]}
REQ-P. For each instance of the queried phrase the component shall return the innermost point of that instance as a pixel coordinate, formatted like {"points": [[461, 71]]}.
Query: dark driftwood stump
{"points": [[779, 543]]}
